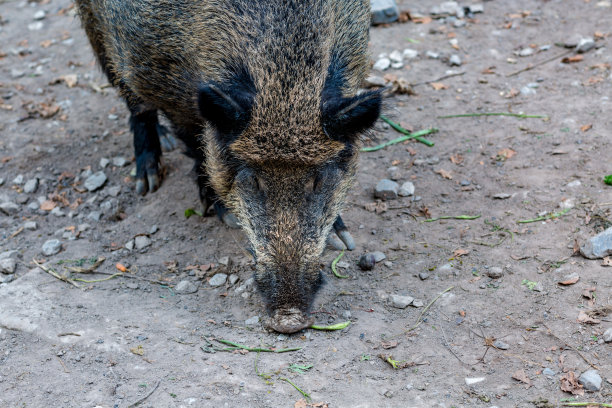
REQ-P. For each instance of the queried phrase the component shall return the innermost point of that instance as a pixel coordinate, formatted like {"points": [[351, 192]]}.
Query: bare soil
{"points": [[80, 347]]}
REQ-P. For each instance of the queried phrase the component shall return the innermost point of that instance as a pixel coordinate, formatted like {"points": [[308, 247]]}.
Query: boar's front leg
{"points": [[147, 149]]}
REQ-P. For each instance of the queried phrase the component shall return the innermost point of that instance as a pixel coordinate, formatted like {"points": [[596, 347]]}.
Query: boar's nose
{"points": [[288, 320]]}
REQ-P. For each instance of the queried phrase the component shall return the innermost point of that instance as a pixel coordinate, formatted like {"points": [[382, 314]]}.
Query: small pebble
{"points": [[94, 215], [185, 287], [590, 380], [18, 180], [454, 60], [218, 280], [119, 161], [575, 183], [114, 191], [396, 56], [30, 225], [526, 52], [386, 189], [39, 15], [400, 302], [30, 186], [142, 241], [224, 260], [472, 381], [417, 303], [432, 55], [7, 266], [607, 336], [51, 247], [407, 189], [129, 245], [585, 44], [598, 246], [233, 278], [383, 11], [394, 173], [9, 208], [410, 54], [95, 181], [153, 229], [549, 372], [104, 162], [501, 345], [375, 81], [382, 64], [36, 26], [495, 272], [423, 275]]}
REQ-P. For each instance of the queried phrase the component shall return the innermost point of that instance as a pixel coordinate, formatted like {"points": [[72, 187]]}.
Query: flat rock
{"points": [[104, 162], [233, 278], [472, 381], [142, 241], [7, 266], [218, 280], [407, 189], [400, 302], [409, 53], [549, 372], [598, 246], [501, 345], [30, 186], [39, 15], [384, 11], [386, 189], [454, 60], [8, 254], [18, 180], [9, 208], [51, 247], [382, 64], [119, 161], [585, 44], [590, 380], [495, 272], [375, 81], [185, 287], [607, 336], [95, 181], [30, 225], [94, 215], [378, 256]]}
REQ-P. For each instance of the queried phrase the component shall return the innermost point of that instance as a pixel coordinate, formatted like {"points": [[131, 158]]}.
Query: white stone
{"points": [[382, 64], [400, 302], [7, 266], [410, 54], [142, 241], [51, 247], [218, 280], [472, 381]]}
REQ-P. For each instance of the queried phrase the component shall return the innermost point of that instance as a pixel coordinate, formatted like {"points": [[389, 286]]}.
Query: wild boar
{"points": [[265, 96]]}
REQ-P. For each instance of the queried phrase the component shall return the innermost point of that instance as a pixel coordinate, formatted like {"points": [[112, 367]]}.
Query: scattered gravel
{"points": [[51, 247]]}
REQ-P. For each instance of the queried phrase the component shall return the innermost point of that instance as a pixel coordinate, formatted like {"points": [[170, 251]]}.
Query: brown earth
{"points": [[70, 347]]}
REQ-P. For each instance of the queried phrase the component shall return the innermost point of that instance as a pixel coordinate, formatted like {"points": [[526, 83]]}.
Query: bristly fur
{"points": [[265, 94]]}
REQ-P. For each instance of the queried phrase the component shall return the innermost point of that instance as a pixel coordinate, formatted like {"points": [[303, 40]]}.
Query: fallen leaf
{"points": [[456, 158], [520, 375], [46, 43], [604, 66], [48, 205], [378, 207], [512, 93], [138, 350], [573, 58], [411, 150], [586, 127], [421, 20], [585, 318], [489, 71], [438, 86], [401, 87], [444, 173], [505, 154], [570, 280], [570, 384], [588, 292], [301, 403], [460, 252], [388, 344]]}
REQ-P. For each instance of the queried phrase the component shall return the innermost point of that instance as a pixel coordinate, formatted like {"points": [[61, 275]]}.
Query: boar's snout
{"points": [[288, 320]]}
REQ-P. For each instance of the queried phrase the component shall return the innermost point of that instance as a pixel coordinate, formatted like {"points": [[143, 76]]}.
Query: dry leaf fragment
{"points": [[573, 58], [505, 154], [389, 344], [378, 207], [421, 20], [456, 158], [460, 252], [301, 403], [138, 350], [48, 205], [444, 173], [586, 128], [438, 86], [570, 384], [520, 375], [585, 318]]}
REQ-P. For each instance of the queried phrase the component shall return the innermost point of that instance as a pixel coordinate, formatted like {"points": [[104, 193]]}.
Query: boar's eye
{"points": [[345, 118]]}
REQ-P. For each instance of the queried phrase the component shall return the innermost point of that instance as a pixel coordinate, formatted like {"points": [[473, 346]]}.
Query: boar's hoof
{"points": [[166, 140], [340, 241], [333, 242], [288, 321], [151, 183], [231, 220]]}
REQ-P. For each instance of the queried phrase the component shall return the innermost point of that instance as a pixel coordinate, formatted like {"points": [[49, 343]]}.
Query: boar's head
{"points": [[281, 156]]}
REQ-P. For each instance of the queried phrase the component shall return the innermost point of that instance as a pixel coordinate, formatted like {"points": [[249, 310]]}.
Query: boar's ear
{"points": [[345, 118], [228, 108]]}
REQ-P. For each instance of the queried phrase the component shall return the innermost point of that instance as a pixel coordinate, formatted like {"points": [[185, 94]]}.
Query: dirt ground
{"points": [[111, 343]]}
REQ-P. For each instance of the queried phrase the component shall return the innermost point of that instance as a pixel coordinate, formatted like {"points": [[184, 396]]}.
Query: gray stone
{"points": [[575, 183], [30, 186], [33, 206], [18, 180], [495, 272], [423, 275], [432, 55], [598, 246], [37, 26], [83, 227], [502, 196], [224, 260], [525, 52], [9, 208], [185, 287], [95, 181], [472, 381], [7, 266], [382, 64], [112, 116], [104, 162], [417, 303], [400, 302], [39, 15], [129, 245], [119, 161], [527, 91], [396, 56], [407, 189], [233, 278], [378, 256], [51, 247], [394, 173], [94, 215], [8, 254], [455, 60], [459, 23], [218, 280], [57, 212], [15, 73], [585, 44], [590, 380], [410, 54], [153, 229], [30, 225], [501, 345], [1, 181], [22, 199], [386, 189], [7, 278], [549, 372], [476, 8], [142, 241], [448, 8], [607, 336], [384, 11], [252, 321], [248, 284], [374, 81], [114, 191]]}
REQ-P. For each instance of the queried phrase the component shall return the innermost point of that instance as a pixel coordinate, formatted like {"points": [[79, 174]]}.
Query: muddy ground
{"points": [[110, 343]]}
